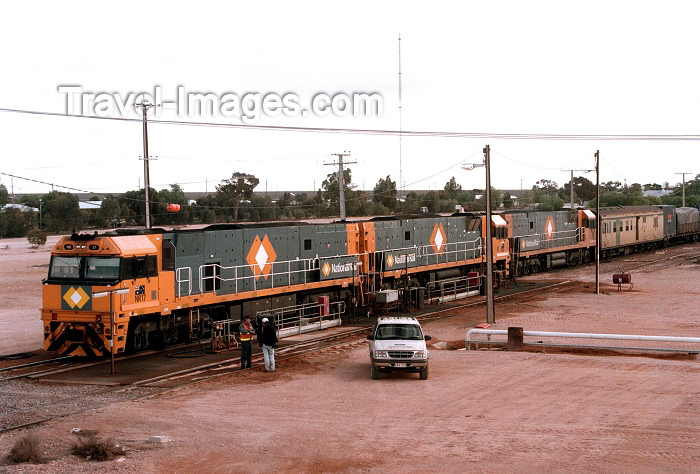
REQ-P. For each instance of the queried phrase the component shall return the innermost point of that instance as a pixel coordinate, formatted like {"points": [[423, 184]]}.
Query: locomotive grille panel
{"points": [[401, 354]]}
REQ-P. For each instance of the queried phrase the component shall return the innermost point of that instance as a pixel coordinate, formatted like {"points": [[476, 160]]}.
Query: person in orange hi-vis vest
{"points": [[247, 332]]}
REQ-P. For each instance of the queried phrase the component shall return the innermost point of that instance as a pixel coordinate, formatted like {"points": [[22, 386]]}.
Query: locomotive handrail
{"points": [[303, 267], [547, 242], [303, 317], [426, 252], [188, 270]]}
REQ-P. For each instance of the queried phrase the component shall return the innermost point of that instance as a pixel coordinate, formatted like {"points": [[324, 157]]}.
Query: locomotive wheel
{"points": [[574, 259], [536, 267]]}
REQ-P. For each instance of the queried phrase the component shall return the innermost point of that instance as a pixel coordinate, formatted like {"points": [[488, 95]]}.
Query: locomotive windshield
{"points": [[102, 267], [87, 268], [65, 267]]}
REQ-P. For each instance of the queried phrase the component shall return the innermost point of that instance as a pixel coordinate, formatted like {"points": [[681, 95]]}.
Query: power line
{"points": [[414, 133]]}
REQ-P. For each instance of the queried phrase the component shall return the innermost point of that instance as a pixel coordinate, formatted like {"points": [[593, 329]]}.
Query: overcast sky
{"points": [[595, 68]]}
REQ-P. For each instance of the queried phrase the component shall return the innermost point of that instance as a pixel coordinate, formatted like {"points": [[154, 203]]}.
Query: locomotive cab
{"points": [[78, 323]]}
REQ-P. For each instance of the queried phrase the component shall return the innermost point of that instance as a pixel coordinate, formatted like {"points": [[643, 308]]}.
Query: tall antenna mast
{"points": [[401, 182]]}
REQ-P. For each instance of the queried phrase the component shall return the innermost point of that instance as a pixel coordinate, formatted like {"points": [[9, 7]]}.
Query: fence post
{"points": [[515, 339]]}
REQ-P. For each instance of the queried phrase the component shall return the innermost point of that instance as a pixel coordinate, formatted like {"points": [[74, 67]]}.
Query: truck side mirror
{"points": [[427, 338], [370, 337]]}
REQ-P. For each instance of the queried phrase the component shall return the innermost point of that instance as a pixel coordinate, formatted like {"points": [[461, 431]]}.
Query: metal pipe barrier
{"points": [[452, 289], [625, 337], [303, 318]]}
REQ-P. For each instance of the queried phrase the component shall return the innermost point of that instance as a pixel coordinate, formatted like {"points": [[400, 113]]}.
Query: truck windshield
{"points": [[399, 331]]}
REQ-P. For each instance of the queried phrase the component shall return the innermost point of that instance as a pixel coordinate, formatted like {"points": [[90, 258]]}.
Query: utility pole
{"points": [[571, 184], [341, 179], [490, 315], [598, 222], [144, 106], [684, 173], [402, 191]]}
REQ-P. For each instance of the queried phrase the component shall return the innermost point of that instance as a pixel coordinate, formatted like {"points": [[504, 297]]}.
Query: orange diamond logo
{"points": [[326, 269], [261, 257], [76, 297], [390, 260], [439, 238], [549, 228]]}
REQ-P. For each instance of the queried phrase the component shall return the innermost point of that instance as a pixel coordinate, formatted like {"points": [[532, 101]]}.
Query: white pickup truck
{"points": [[398, 343]]}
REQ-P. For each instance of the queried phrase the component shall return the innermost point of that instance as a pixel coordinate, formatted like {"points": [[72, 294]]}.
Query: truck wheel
{"points": [[424, 373], [375, 373]]}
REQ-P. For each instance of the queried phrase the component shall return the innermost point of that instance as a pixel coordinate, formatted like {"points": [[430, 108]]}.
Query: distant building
{"points": [[21, 207], [657, 193], [89, 205]]}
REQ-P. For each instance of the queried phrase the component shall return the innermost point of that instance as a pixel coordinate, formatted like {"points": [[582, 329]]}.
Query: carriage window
{"points": [[532, 225], [656, 222], [407, 235], [307, 244], [615, 226]]}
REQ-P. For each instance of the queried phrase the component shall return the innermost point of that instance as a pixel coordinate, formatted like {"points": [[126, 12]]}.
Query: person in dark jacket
{"points": [[267, 338]]}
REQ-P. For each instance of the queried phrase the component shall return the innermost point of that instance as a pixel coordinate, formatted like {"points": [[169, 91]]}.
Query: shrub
{"points": [[94, 449], [36, 237], [26, 450]]}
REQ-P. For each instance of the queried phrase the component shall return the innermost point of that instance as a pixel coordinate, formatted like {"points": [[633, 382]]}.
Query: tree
{"points": [[15, 223], [610, 186], [550, 203], [331, 191], [584, 189], [543, 188], [507, 200], [133, 204], [175, 195], [452, 188], [109, 213], [36, 237], [231, 192], [61, 212], [4, 195], [385, 193]]}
